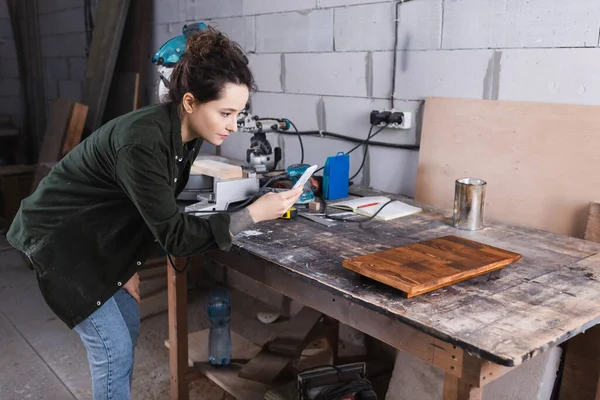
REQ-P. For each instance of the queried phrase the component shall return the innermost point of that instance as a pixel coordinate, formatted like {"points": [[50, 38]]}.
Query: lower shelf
{"points": [[226, 377]]}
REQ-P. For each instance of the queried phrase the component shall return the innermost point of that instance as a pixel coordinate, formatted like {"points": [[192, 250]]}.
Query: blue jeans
{"points": [[109, 336]]}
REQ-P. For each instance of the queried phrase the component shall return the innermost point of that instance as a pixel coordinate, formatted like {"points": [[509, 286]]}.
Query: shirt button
{"points": [[175, 179], [119, 283], [139, 263], [176, 157], [180, 159], [98, 303]]}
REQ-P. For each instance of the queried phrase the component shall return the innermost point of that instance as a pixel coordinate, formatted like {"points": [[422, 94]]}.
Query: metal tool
{"points": [[225, 194], [319, 219], [261, 156]]}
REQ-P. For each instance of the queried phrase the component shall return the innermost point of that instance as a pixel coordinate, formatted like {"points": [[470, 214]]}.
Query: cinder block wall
{"points": [[64, 53], [10, 88], [325, 64]]}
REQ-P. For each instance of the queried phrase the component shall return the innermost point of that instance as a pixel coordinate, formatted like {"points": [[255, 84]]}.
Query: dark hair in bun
{"points": [[211, 60]]}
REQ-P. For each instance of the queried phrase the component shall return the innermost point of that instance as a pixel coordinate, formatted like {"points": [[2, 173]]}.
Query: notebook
{"points": [[368, 206]]}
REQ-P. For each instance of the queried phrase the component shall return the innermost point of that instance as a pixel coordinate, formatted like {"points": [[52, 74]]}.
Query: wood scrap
{"points": [[106, 39], [75, 126], [26, 31], [265, 367], [216, 169], [126, 91], [294, 338], [56, 130], [592, 230]]}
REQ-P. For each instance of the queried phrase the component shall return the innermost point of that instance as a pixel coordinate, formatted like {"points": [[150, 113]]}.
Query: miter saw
{"points": [[260, 157]]}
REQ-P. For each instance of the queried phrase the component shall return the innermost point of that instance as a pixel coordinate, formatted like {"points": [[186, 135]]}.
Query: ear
{"points": [[188, 102]]}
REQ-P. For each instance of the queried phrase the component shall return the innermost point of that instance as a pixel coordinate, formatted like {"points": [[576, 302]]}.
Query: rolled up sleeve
{"points": [[142, 172]]}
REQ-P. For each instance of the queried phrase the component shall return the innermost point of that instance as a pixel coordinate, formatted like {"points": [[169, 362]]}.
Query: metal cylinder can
{"points": [[469, 202]]}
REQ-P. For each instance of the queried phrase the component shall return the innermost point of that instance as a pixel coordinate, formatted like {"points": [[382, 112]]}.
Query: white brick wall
{"points": [[551, 75], [295, 32], [65, 21], [327, 63], [509, 24], [432, 73], [342, 74], [239, 29], [251, 7], [370, 27], [267, 71]]}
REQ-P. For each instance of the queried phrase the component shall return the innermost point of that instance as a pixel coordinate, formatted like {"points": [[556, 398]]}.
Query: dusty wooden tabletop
{"points": [[506, 317]]}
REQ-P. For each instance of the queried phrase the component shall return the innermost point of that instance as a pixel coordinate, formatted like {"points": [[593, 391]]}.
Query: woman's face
{"points": [[215, 120]]}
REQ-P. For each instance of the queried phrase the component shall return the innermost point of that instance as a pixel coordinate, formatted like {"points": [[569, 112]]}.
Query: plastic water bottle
{"points": [[219, 338]]}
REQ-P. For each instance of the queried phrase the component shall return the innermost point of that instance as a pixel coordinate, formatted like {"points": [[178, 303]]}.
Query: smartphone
{"points": [[305, 176]]}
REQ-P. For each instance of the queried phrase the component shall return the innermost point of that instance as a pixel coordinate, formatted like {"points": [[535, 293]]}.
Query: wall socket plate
{"points": [[406, 122]]}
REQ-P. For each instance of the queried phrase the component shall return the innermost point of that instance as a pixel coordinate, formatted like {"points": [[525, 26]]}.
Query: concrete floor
{"points": [[40, 358]]}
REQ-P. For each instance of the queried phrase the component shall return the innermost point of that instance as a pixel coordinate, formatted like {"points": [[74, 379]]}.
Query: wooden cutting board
{"points": [[428, 265]]}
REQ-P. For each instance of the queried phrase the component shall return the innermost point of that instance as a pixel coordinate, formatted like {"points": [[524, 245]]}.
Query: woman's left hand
{"points": [[133, 287]]}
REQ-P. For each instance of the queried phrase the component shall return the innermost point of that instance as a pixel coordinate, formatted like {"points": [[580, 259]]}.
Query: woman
{"points": [[94, 219]]}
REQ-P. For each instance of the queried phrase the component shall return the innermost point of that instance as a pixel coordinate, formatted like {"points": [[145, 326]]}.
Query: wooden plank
{"points": [[226, 377], [265, 367], [216, 169], [293, 339], [58, 123], [178, 330], [431, 264], [25, 27], [74, 130], [592, 230], [457, 389], [521, 149], [106, 39], [126, 93]]}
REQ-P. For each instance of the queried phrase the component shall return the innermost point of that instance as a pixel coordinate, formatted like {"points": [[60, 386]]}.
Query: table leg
{"points": [[178, 330], [581, 373], [458, 389]]}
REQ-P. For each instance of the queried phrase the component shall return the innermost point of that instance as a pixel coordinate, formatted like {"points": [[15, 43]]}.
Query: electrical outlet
{"points": [[396, 119]]}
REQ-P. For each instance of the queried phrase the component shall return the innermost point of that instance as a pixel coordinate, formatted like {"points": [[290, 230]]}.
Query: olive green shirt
{"points": [[104, 208]]}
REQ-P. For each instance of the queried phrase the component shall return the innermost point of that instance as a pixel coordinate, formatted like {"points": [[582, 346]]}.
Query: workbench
{"points": [[474, 331]]}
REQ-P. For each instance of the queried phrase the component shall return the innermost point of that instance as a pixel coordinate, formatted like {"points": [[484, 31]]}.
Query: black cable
{"points": [[299, 139], [366, 149], [360, 143], [355, 140], [358, 220], [295, 129]]}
